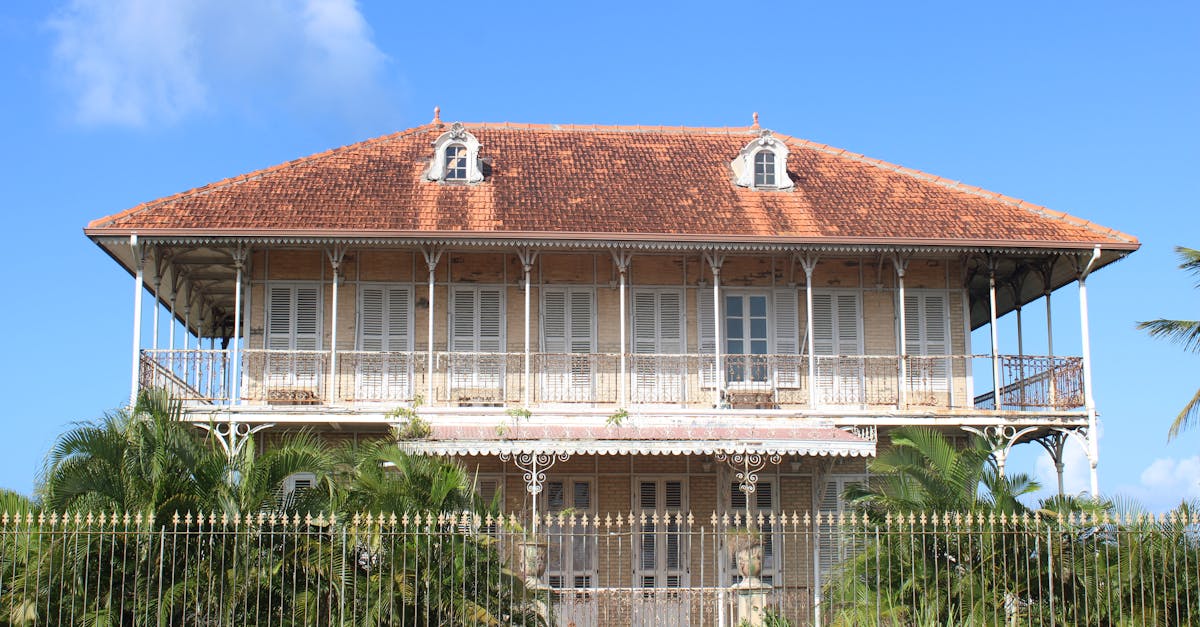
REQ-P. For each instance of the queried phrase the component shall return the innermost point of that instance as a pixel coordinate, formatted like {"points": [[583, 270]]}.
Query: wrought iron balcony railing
{"points": [[1028, 383]]}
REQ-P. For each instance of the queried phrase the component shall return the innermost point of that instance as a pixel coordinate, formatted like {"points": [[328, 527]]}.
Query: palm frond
{"points": [[1189, 261], [1184, 332], [1187, 417]]}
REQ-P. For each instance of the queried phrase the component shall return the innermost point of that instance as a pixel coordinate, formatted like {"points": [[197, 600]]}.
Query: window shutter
{"points": [[308, 312], [581, 321], [463, 322], [706, 336], [371, 317], [787, 341], [491, 332], [399, 301], [822, 330], [554, 321], [912, 324], [645, 323], [279, 321], [670, 323], [848, 340]]}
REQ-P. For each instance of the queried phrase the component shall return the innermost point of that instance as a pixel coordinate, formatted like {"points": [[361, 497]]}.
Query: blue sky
{"points": [[1086, 107]]}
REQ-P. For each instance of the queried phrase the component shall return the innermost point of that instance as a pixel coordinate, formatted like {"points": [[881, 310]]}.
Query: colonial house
{"points": [[629, 323]]}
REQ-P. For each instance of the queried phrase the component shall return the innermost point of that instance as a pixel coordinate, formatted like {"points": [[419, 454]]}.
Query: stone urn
{"points": [[746, 550], [533, 562], [749, 561]]}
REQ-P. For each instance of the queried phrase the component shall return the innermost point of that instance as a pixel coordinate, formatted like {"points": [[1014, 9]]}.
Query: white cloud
{"points": [[1077, 473], [1166, 482], [141, 62]]}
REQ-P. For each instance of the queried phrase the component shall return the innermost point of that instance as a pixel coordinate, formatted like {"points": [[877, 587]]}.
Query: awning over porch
{"points": [[767, 440]]}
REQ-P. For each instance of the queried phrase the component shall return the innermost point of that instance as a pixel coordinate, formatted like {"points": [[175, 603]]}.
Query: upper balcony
{"points": [[607, 382]]}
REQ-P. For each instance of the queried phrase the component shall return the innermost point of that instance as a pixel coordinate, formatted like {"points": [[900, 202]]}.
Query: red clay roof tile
{"points": [[634, 181]]}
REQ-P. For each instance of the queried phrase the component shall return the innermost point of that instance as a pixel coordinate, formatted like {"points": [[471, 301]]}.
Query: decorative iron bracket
{"points": [[1002, 438], [232, 435], [533, 467], [746, 467]]}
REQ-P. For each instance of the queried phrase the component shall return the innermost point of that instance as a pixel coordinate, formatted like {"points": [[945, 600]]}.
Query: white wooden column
{"points": [[335, 255], [432, 256], [240, 252], [809, 263], [527, 257], [622, 260], [155, 281], [139, 263], [995, 337], [715, 261], [1047, 271], [1089, 399], [901, 265]]}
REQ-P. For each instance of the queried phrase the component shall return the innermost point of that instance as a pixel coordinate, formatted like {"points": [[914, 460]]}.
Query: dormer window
{"points": [[456, 162], [455, 157], [762, 164], [764, 169]]}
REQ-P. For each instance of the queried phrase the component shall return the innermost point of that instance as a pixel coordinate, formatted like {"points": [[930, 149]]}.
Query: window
{"points": [[294, 487], [764, 169], [760, 336], [572, 552], [763, 501], [384, 369], [834, 545], [926, 335], [658, 340], [455, 157], [660, 549], [476, 343], [293, 339], [456, 163], [568, 341], [837, 345], [762, 164]]}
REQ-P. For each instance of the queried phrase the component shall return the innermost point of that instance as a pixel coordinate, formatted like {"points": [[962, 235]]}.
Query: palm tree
{"points": [[935, 538], [1185, 332], [138, 459], [924, 472]]}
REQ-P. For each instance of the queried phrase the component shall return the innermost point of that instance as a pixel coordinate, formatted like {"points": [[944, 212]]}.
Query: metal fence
{"points": [[644, 568]]}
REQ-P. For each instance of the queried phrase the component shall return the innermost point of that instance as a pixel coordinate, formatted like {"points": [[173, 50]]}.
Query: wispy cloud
{"points": [[144, 62], [1166, 482], [1077, 475]]}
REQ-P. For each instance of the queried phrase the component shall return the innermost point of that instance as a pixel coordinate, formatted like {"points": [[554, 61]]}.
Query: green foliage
{"points": [[617, 418], [995, 561], [515, 415], [146, 461], [1185, 333]]}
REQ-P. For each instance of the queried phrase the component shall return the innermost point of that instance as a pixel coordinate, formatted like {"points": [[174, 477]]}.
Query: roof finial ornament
{"points": [[437, 116], [755, 120]]}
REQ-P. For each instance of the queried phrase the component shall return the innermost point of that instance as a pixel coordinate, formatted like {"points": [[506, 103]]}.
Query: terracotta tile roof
{"points": [[640, 182]]}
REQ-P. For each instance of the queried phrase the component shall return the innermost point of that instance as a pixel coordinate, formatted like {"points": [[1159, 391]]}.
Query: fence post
{"points": [[1050, 564]]}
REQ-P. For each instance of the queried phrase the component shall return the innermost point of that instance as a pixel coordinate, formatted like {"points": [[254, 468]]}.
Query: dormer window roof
{"points": [[762, 164], [455, 157]]}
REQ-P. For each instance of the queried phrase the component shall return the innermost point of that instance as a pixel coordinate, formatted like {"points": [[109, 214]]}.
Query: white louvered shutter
{"points": [[371, 342], [787, 340], [926, 333], [837, 343], [706, 336], [279, 320], [657, 336], [554, 321], [824, 347], [477, 327], [293, 324], [567, 330], [464, 321], [491, 320]]}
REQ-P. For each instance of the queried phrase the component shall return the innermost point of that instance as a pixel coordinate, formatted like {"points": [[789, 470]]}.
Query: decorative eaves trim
{"points": [[821, 448]]}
